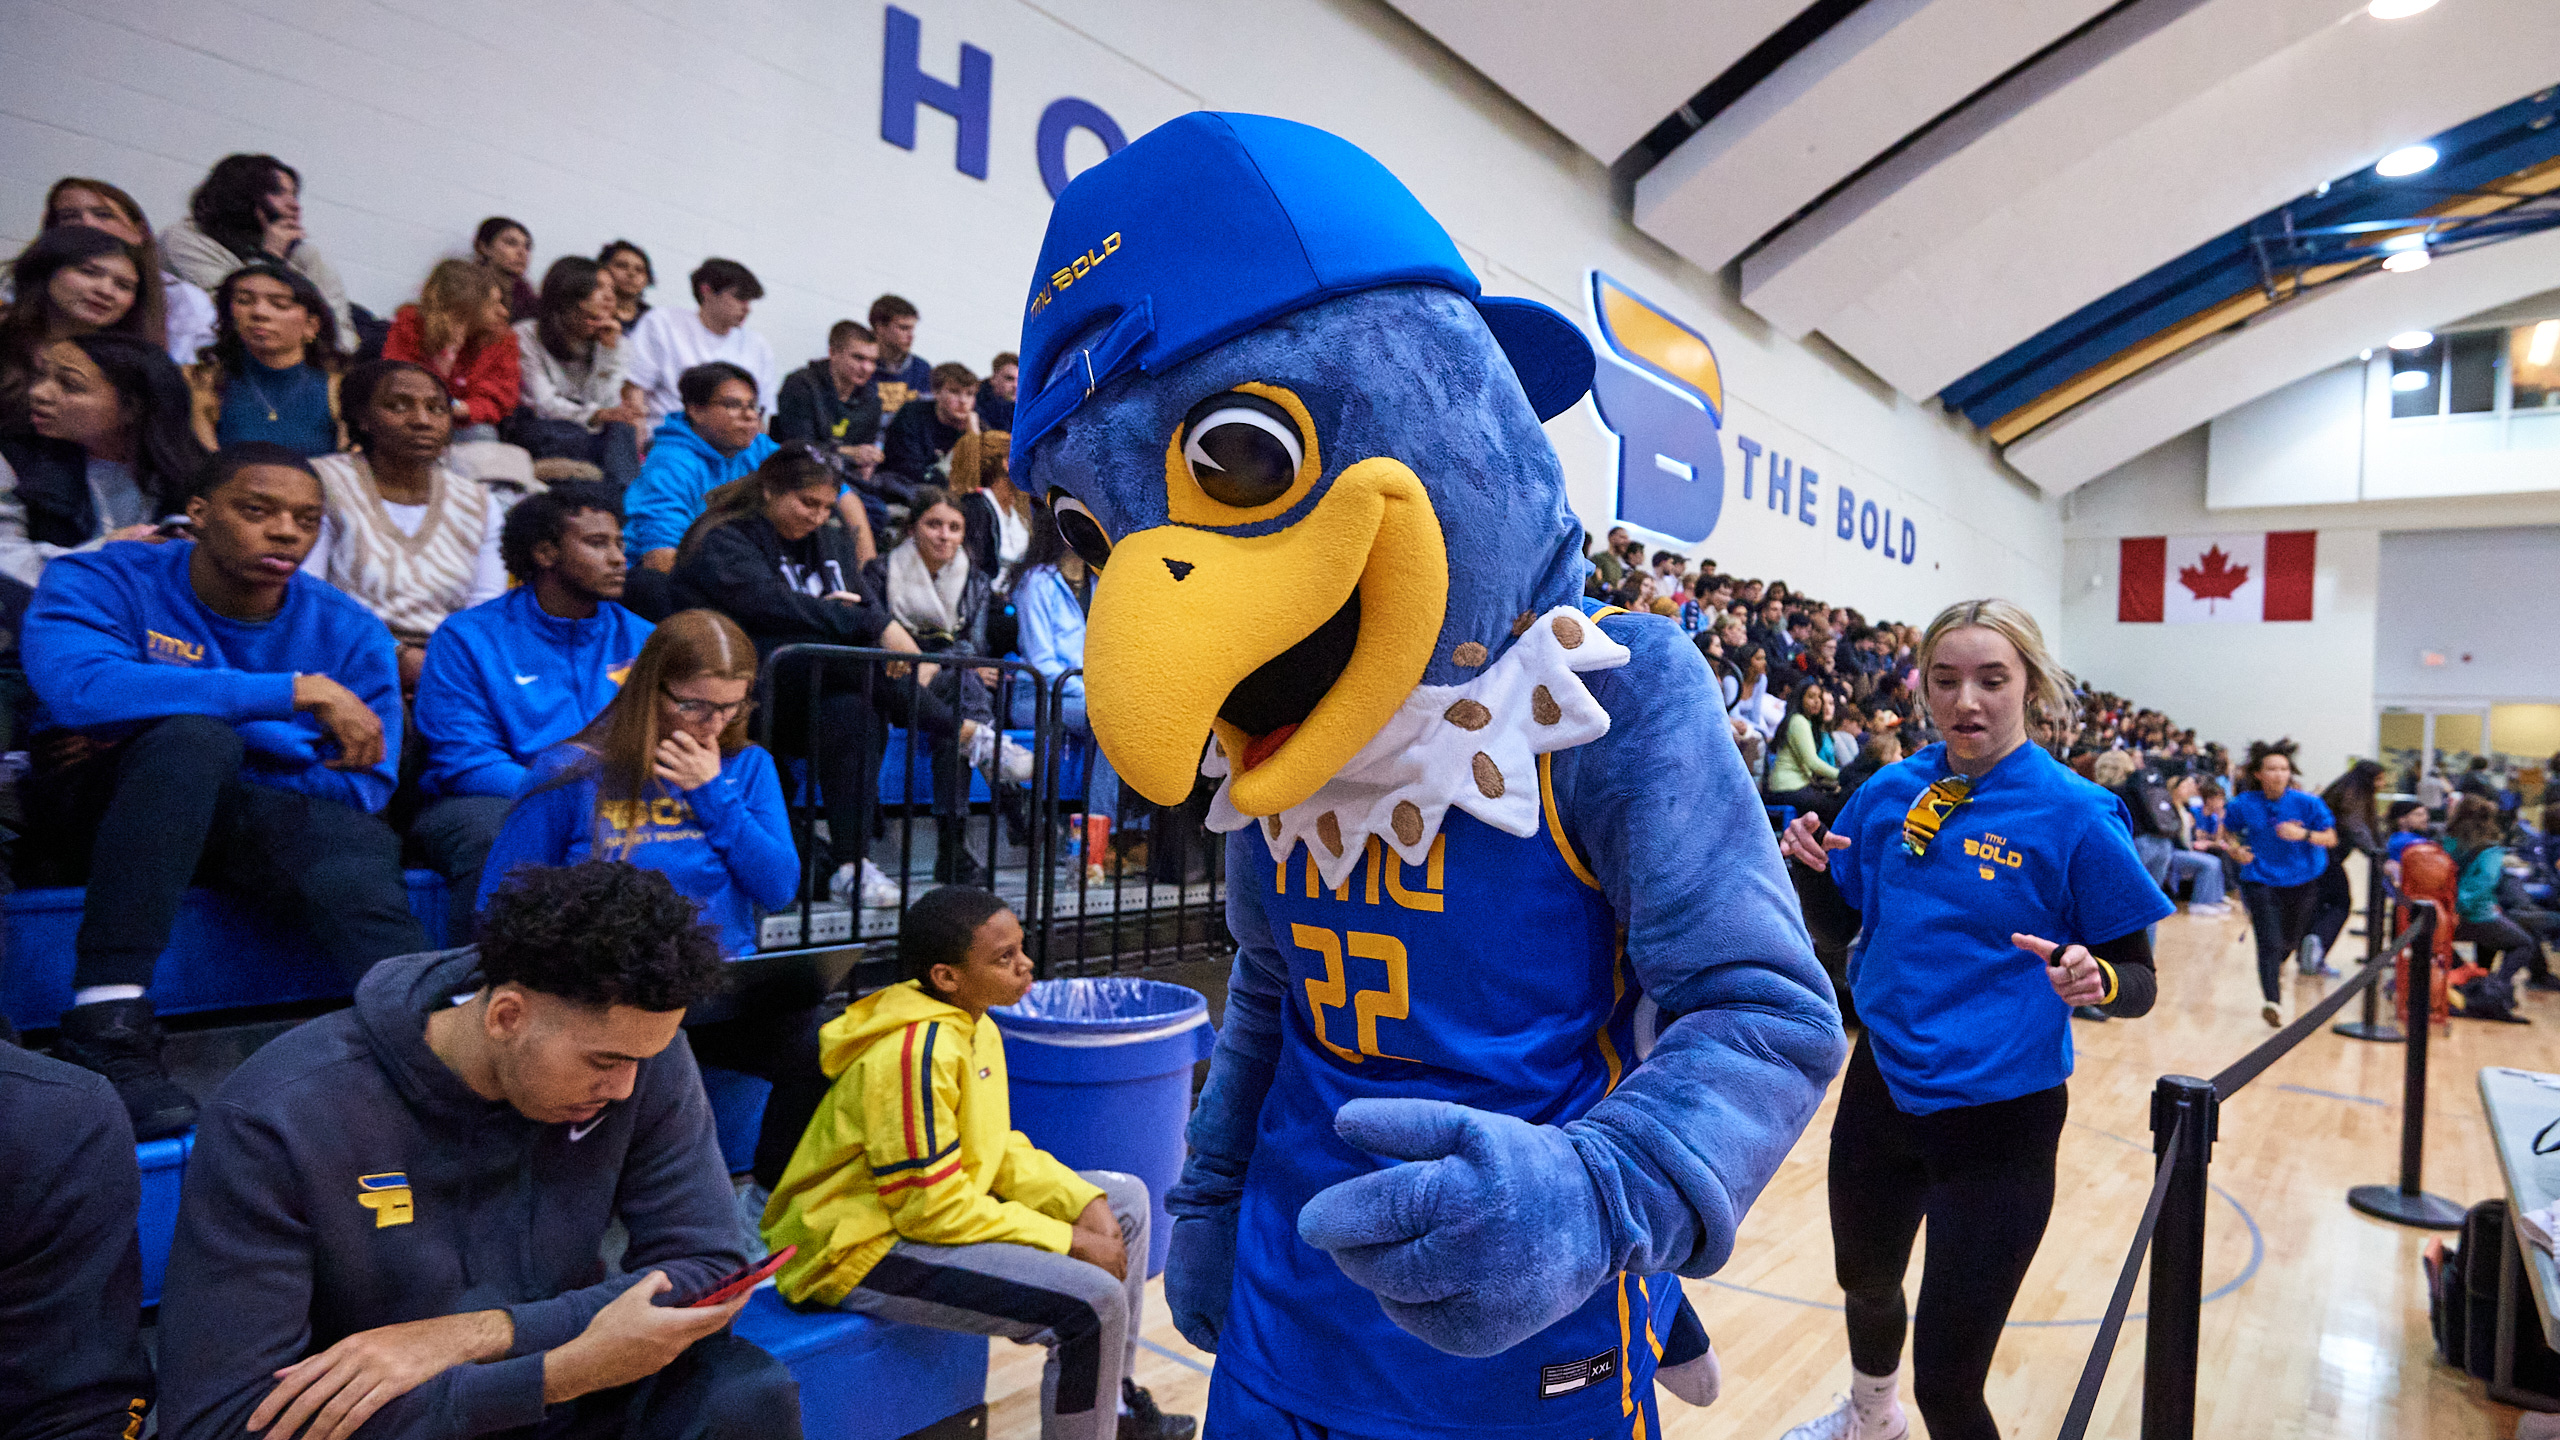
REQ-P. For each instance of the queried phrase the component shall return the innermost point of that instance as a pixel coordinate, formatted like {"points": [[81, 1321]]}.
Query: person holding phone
{"points": [[1990, 890], [394, 1212], [248, 209]]}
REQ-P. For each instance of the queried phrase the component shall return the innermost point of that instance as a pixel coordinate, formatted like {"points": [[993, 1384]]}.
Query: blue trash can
{"points": [[1102, 1078]]}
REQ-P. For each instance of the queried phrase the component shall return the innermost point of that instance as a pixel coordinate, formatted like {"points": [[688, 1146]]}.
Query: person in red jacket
{"points": [[459, 329]]}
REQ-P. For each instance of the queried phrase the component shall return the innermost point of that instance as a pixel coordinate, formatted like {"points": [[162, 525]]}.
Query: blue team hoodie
{"points": [[726, 846], [667, 494], [507, 680], [345, 1179], [116, 638]]}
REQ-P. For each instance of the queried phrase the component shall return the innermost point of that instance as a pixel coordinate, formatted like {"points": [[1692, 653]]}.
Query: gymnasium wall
{"points": [[757, 132], [2315, 680]]}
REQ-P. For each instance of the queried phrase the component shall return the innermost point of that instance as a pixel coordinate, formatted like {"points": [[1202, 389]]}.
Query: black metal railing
{"points": [[2185, 1120], [1149, 898]]}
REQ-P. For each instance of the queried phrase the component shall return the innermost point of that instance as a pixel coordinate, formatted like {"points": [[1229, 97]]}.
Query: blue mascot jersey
{"points": [[1957, 1014], [1397, 988]]}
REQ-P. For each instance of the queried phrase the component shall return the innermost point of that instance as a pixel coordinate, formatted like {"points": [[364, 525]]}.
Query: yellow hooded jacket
{"points": [[915, 1139]]}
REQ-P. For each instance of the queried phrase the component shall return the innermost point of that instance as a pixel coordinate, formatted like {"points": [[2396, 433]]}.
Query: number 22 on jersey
{"points": [[1333, 992]]}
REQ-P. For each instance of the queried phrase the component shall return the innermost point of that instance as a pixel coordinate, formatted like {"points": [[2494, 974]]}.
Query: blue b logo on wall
{"points": [[1659, 390]]}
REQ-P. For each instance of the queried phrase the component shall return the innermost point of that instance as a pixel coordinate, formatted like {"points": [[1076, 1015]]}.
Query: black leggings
{"points": [[1982, 1176], [2279, 916], [2504, 946], [854, 728]]}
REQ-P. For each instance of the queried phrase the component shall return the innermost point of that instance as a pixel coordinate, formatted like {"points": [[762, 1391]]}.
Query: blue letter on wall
{"points": [[1658, 390], [904, 86], [1062, 116]]}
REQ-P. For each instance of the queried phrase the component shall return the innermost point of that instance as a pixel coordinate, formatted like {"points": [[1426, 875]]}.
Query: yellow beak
{"points": [[1184, 615]]}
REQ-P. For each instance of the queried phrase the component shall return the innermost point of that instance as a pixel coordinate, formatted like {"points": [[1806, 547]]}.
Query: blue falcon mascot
{"points": [[1523, 1014]]}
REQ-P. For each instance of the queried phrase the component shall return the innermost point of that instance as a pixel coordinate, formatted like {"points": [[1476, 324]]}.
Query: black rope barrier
{"points": [[2075, 1421], [2185, 1121], [2250, 1066]]}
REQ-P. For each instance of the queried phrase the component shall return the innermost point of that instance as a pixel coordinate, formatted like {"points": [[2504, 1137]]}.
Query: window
{"points": [[2533, 360], [2417, 381]]}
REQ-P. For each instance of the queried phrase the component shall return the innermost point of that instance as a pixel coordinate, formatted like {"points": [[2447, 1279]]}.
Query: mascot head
{"points": [[1272, 409]]}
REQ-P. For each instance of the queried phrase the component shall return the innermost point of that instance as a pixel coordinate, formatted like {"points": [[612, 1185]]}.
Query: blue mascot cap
{"points": [[1213, 224]]}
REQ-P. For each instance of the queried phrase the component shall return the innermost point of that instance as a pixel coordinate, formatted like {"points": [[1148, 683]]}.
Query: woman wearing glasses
{"points": [[1990, 891], [665, 778]]}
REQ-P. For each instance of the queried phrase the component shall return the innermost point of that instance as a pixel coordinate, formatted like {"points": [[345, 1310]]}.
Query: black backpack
{"points": [[2146, 794], [2462, 1304]]}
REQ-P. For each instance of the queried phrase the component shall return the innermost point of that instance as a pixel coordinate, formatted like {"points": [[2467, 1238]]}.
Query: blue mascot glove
{"points": [[1199, 1271], [1496, 1235]]}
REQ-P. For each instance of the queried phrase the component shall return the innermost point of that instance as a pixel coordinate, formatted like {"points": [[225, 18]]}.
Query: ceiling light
{"points": [[2413, 340], [2406, 261], [2405, 240], [2546, 340], [2407, 160], [2397, 9], [2407, 380]]}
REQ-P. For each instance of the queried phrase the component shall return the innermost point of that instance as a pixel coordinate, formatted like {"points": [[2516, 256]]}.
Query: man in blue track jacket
{"points": [[508, 680], [207, 711]]}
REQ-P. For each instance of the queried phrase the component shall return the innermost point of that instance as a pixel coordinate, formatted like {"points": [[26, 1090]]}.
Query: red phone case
{"points": [[742, 1281]]}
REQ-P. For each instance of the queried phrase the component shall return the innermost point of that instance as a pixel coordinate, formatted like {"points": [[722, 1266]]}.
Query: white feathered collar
{"points": [[1474, 746]]}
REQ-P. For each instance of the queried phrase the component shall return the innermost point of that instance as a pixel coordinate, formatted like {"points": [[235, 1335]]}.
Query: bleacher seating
{"points": [[222, 955], [865, 1379]]}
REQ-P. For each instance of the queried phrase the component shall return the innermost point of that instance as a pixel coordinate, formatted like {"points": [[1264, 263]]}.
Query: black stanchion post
{"points": [[2408, 1202], [2377, 938], [2184, 1111]]}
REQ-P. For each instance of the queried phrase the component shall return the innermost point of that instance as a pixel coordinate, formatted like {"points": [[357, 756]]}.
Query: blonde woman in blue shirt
{"points": [[1990, 890]]}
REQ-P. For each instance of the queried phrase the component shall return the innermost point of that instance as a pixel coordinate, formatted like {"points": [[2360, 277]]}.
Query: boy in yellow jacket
{"points": [[913, 1198]]}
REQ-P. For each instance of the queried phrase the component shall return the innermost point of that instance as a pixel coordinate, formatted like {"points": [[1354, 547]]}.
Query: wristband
{"points": [[2109, 996]]}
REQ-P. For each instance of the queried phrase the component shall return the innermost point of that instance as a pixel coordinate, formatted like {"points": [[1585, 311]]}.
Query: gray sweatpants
{"points": [[1089, 1321]]}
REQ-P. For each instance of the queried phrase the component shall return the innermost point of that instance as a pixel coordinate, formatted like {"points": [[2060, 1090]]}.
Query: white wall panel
{"points": [[1884, 72], [2302, 445], [1604, 72], [700, 128]]}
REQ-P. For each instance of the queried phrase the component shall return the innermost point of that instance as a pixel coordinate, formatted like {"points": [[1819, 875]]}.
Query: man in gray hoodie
{"points": [[393, 1214]]}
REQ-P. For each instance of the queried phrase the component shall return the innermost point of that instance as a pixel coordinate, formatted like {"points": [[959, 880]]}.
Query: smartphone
{"points": [[741, 1281]]}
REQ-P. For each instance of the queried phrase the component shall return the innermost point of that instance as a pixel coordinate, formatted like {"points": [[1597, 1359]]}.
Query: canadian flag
{"points": [[2201, 579]]}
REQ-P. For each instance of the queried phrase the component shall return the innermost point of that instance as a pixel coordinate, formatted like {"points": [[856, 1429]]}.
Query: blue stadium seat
{"points": [[894, 789], [222, 955], [164, 1166], [865, 1379], [1780, 816], [737, 1111]]}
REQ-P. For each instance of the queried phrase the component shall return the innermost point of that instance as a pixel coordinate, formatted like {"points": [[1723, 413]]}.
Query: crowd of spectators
{"points": [[301, 596]]}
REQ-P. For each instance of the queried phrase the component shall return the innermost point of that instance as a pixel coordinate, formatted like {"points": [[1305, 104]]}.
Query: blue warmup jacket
{"points": [[667, 495], [1051, 629], [507, 680], [726, 846], [116, 639]]}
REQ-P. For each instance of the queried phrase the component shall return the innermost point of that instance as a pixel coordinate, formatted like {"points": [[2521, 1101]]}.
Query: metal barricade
{"points": [[875, 714]]}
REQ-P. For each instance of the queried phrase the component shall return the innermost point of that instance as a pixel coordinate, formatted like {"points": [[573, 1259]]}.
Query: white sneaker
{"points": [[2275, 1012], [1015, 764], [982, 746], [2217, 907], [878, 891], [1843, 1422]]}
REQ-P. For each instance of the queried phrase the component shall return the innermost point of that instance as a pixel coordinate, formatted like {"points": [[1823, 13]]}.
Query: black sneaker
{"points": [[1143, 1421], [120, 1039], [962, 868]]}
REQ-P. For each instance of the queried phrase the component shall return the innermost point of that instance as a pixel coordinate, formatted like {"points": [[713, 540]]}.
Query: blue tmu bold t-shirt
{"points": [[2275, 860], [1959, 1015]]}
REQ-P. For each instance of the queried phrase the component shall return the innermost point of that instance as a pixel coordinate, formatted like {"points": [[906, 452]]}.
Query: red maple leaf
{"points": [[2216, 579]]}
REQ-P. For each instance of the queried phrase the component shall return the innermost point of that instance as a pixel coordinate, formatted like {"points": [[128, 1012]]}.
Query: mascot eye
{"points": [[1076, 525], [1242, 449]]}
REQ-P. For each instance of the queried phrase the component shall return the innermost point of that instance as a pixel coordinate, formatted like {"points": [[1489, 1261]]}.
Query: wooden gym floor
{"points": [[2317, 1325]]}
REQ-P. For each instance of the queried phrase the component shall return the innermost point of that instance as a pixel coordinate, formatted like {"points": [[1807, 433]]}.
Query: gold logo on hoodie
{"points": [[387, 1196]]}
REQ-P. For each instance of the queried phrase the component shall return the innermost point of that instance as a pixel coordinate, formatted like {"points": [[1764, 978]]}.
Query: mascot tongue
{"points": [[1262, 746]]}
